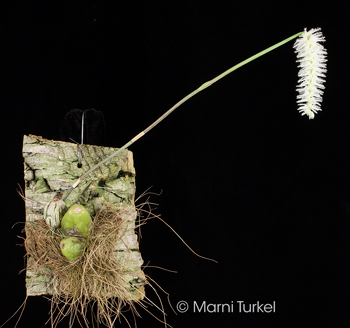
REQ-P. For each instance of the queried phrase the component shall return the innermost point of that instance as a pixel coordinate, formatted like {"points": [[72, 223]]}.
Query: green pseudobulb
{"points": [[72, 247], [77, 221]]}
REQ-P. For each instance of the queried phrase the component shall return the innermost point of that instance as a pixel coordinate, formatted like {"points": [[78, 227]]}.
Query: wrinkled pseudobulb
{"points": [[77, 221], [72, 247], [54, 211]]}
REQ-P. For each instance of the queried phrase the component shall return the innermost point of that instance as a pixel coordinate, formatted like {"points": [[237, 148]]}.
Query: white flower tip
{"points": [[311, 56]]}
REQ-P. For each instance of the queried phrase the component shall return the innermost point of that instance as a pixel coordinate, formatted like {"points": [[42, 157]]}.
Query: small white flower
{"points": [[312, 62]]}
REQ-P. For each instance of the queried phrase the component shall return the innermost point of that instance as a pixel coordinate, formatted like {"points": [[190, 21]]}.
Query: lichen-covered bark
{"points": [[52, 166]]}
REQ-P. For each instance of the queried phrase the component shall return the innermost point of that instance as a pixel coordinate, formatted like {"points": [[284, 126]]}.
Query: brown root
{"points": [[100, 278]]}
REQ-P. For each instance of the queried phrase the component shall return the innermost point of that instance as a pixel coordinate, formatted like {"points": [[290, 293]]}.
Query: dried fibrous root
{"points": [[98, 279]]}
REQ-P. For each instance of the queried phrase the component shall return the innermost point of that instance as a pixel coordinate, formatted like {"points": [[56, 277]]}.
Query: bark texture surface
{"points": [[51, 167]]}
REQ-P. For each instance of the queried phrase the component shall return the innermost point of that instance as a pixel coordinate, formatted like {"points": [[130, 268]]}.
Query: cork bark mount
{"points": [[51, 167]]}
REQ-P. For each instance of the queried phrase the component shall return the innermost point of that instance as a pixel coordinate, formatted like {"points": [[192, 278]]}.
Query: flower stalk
{"points": [[193, 93]]}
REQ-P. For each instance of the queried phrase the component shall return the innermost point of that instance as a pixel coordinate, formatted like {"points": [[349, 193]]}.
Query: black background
{"points": [[246, 179]]}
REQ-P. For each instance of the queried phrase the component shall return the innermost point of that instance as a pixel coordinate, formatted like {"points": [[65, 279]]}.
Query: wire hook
{"points": [[80, 154]]}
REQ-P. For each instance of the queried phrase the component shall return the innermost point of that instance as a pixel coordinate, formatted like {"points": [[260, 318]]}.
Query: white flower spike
{"points": [[312, 63]]}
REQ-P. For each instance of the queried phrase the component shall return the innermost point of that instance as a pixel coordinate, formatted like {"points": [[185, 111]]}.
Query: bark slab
{"points": [[52, 166]]}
